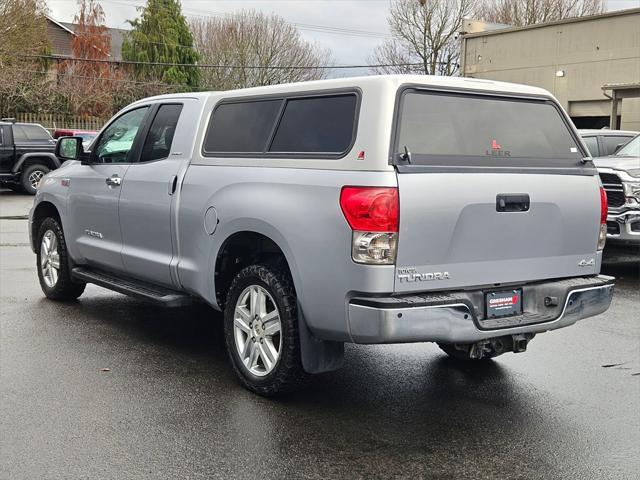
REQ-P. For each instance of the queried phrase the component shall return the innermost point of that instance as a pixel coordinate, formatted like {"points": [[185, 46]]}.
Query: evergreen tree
{"points": [[162, 35]]}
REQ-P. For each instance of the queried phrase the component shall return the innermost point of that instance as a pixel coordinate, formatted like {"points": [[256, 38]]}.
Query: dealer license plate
{"points": [[503, 304]]}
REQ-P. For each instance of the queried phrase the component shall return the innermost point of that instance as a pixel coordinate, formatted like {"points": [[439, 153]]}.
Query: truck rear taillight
{"points": [[372, 213], [374, 209], [604, 210]]}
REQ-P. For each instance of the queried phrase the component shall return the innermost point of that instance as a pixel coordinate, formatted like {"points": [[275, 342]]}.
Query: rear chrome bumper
{"points": [[457, 317]]}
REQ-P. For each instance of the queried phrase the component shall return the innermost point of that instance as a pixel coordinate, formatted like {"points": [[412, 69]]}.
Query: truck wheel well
{"points": [[42, 211], [239, 251], [46, 161]]}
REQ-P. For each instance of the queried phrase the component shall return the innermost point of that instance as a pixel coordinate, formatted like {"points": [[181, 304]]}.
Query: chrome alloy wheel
{"points": [[35, 177], [49, 258], [257, 330]]}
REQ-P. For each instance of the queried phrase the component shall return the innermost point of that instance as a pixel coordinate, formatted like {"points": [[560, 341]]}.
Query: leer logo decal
{"points": [[496, 150]]}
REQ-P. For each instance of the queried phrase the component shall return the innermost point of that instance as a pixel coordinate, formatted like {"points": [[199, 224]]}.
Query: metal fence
{"points": [[52, 121]]}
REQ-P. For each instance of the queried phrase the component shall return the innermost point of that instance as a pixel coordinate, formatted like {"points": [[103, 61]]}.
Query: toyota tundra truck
{"points": [[383, 209]]}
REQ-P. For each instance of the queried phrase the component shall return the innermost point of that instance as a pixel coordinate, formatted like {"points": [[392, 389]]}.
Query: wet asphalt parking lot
{"points": [[111, 387]]}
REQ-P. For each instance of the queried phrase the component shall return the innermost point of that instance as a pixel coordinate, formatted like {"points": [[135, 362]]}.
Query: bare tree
{"points": [[424, 37], [23, 33], [86, 83], [527, 12], [241, 41], [22, 28], [32, 84]]}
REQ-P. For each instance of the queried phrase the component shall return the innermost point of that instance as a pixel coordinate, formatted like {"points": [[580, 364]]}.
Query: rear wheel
{"points": [[31, 176], [261, 330], [53, 263]]}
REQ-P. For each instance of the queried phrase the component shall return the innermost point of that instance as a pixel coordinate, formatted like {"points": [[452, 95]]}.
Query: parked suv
{"points": [[26, 155], [382, 209], [620, 174]]}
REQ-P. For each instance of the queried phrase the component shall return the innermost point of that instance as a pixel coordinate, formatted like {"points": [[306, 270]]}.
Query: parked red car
{"points": [[86, 135]]}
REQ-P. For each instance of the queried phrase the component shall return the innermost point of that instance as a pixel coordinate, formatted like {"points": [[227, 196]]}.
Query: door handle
{"points": [[114, 180], [173, 183], [512, 202]]}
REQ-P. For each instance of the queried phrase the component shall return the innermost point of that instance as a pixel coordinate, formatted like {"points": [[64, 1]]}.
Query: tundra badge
{"points": [[409, 274]]}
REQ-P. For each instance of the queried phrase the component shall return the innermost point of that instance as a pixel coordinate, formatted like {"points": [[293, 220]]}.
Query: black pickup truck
{"points": [[27, 153]]}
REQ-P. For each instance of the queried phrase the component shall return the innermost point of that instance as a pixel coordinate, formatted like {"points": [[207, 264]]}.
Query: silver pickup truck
{"points": [[381, 209]]}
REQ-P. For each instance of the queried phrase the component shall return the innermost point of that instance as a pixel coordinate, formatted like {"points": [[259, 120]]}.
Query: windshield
{"points": [[631, 149], [469, 129]]}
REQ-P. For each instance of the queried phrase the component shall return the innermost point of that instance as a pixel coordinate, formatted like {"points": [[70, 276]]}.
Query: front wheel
{"points": [[261, 330], [53, 263], [31, 176]]}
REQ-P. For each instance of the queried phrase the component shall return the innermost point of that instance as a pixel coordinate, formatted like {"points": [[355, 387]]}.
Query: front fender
{"points": [[51, 192], [52, 160]]}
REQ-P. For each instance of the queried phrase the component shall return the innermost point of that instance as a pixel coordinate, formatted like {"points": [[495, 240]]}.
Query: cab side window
{"points": [[115, 143], [157, 145], [611, 143], [36, 133]]}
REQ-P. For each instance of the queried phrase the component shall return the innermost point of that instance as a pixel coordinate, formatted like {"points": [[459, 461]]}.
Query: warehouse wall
{"points": [[591, 52]]}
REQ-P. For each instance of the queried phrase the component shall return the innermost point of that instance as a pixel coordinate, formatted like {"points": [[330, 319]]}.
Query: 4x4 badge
{"points": [[93, 233], [587, 263]]}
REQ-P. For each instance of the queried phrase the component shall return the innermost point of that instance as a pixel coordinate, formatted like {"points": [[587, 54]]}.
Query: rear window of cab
{"points": [[442, 128], [318, 126]]}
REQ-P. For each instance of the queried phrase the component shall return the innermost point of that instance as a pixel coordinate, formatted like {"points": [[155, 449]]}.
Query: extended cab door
{"points": [[148, 192], [95, 188]]}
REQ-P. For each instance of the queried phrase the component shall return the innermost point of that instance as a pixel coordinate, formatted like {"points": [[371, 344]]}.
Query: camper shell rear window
{"points": [[455, 129]]}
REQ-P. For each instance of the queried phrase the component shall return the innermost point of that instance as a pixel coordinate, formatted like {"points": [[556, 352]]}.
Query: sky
{"points": [[366, 20]]}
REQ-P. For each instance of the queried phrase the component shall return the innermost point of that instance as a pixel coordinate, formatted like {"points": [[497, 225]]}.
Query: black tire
{"points": [[461, 352], [30, 173], [287, 374], [64, 288]]}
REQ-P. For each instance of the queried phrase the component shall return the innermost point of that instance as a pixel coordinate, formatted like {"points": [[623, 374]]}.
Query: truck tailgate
{"points": [[453, 236]]}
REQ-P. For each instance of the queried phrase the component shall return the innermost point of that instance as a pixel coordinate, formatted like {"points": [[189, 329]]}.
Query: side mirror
{"points": [[618, 147], [69, 148]]}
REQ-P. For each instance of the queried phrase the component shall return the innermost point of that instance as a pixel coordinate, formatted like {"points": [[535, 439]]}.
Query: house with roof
{"points": [[60, 35]]}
